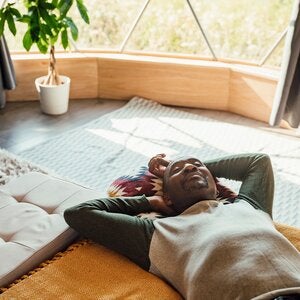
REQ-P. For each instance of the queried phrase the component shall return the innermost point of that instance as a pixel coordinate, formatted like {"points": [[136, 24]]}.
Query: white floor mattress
{"points": [[32, 227]]}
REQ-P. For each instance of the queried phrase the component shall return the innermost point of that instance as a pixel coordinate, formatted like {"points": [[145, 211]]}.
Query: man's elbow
{"points": [[265, 159], [69, 215], [72, 216]]}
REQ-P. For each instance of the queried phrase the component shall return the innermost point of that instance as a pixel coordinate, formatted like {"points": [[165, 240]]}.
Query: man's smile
{"points": [[195, 180], [194, 176]]}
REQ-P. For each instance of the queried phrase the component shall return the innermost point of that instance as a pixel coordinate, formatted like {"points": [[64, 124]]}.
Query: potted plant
{"points": [[48, 21]]}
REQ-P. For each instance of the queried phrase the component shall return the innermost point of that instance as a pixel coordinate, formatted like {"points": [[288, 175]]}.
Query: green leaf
{"points": [[55, 2], [15, 12], [34, 17], [2, 22], [83, 11], [65, 7], [64, 39], [46, 5], [35, 33], [27, 41], [74, 30], [42, 47], [25, 19], [46, 30], [60, 4], [43, 36], [49, 19], [11, 23], [54, 39]]}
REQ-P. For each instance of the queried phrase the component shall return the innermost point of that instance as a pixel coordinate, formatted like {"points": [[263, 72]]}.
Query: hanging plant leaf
{"points": [[24, 19], [83, 11], [11, 23], [34, 17], [46, 30], [27, 41], [35, 33], [53, 39], [64, 6], [47, 5], [74, 30], [42, 47], [64, 39], [15, 12], [2, 22], [49, 19]]}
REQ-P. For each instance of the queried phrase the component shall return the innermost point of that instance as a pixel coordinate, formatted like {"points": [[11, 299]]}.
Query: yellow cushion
{"points": [[291, 233], [90, 271]]}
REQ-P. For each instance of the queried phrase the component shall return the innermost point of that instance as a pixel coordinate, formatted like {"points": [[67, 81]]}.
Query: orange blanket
{"points": [[89, 271]]}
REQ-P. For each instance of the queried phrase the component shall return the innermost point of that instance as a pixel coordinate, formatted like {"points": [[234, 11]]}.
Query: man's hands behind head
{"points": [[157, 165]]}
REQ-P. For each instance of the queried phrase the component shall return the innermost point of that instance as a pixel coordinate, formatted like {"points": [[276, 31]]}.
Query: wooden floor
{"points": [[22, 125]]}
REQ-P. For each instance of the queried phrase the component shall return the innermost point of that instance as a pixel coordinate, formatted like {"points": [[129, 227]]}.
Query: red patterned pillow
{"points": [[145, 183]]}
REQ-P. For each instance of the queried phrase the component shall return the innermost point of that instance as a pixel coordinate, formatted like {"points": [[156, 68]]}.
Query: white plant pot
{"points": [[54, 99]]}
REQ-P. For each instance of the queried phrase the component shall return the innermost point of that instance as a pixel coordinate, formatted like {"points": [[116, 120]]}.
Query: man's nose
{"points": [[190, 168]]}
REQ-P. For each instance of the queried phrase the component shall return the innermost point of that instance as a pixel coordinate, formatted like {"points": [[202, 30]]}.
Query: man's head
{"points": [[187, 181]]}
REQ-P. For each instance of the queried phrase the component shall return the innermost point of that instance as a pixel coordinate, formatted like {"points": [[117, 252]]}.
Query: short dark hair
{"points": [[166, 174]]}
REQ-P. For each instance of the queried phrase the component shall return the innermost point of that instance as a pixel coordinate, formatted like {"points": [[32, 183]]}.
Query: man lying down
{"points": [[203, 247]]}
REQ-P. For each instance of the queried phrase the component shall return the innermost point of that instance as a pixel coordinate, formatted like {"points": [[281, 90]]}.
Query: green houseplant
{"points": [[48, 22]]}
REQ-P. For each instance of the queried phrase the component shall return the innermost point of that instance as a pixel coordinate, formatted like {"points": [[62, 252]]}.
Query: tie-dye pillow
{"points": [[145, 183]]}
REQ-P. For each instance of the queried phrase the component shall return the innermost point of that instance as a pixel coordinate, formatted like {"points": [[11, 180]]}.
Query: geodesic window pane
{"points": [[168, 26], [110, 21], [243, 29]]}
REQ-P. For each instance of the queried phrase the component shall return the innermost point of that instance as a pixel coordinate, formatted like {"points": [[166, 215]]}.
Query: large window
{"points": [[235, 29]]}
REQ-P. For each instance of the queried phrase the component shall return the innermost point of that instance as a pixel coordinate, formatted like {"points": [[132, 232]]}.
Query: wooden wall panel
{"points": [[251, 95], [81, 70], [243, 90], [168, 83]]}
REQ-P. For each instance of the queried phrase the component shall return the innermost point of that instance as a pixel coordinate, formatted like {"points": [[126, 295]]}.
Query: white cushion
{"points": [[32, 227]]}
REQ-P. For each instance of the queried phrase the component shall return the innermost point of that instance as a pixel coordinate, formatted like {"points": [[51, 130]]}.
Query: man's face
{"points": [[187, 181]]}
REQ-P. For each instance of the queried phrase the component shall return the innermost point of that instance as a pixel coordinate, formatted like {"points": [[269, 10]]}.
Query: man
{"points": [[205, 249]]}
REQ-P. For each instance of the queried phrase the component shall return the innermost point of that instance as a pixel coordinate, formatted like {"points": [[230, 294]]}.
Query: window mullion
{"points": [[124, 43], [202, 30]]}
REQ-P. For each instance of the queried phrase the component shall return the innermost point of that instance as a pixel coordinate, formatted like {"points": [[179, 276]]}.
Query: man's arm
{"points": [[256, 173], [112, 223], [129, 206]]}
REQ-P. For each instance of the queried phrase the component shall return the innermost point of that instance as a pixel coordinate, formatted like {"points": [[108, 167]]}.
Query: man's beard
{"points": [[196, 184]]}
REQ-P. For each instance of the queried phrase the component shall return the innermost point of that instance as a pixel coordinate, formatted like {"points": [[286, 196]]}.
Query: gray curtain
{"points": [[287, 97], [7, 73]]}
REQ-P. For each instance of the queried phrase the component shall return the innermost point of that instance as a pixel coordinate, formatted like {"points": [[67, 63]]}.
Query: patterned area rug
{"points": [[120, 142]]}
